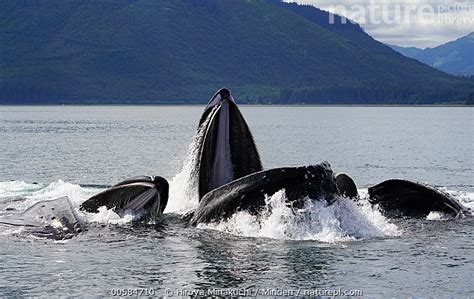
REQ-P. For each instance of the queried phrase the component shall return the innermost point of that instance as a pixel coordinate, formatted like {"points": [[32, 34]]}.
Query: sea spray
{"points": [[18, 188], [184, 195], [342, 221], [32, 193]]}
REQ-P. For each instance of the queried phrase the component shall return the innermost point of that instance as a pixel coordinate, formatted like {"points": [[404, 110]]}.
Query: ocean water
{"points": [[52, 151]]}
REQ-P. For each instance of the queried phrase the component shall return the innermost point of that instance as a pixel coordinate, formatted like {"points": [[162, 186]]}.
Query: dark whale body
{"points": [[145, 194], [346, 186], [248, 193], [226, 150], [403, 198], [231, 179]]}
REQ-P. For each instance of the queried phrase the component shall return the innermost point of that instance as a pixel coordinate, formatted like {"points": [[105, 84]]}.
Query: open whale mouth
{"points": [[145, 197], [227, 150]]}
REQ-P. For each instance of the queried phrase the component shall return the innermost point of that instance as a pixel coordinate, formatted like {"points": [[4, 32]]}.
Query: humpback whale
{"points": [[145, 196], [346, 185], [52, 219], [403, 198], [230, 174], [226, 150], [231, 177], [248, 193]]}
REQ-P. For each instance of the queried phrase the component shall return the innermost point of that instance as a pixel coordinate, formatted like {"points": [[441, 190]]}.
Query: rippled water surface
{"points": [[52, 151]]}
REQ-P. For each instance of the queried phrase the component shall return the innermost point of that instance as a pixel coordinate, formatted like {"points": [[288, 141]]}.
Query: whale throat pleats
{"points": [[227, 151]]}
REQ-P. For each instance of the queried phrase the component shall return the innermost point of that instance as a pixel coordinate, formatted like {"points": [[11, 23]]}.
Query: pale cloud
{"points": [[420, 23]]}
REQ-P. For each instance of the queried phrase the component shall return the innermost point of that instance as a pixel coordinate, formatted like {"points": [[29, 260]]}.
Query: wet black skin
{"points": [[248, 193], [403, 198], [120, 195], [243, 151]]}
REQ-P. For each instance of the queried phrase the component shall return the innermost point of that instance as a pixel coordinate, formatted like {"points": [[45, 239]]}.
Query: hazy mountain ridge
{"points": [[180, 51], [455, 57]]}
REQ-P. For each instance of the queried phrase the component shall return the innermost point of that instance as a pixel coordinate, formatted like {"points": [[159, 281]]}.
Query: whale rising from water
{"points": [[403, 198], [231, 177], [248, 193], [230, 174], [143, 196], [226, 150], [52, 219]]}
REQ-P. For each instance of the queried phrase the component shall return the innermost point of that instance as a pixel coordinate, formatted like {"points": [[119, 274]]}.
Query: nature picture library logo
{"points": [[404, 12], [407, 23]]}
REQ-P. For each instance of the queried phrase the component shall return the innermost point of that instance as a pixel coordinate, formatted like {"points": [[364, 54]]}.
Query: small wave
{"points": [[342, 221], [75, 192], [18, 188], [20, 195]]}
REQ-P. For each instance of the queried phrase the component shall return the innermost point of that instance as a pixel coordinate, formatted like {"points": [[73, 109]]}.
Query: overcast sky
{"points": [[419, 23]]}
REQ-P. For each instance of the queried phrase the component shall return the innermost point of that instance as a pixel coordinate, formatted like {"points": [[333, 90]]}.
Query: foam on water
{"points": [[184, 195], [342, 221], [109, 216], [466, 198], [33, 193], [17, 188], [438, 216]]}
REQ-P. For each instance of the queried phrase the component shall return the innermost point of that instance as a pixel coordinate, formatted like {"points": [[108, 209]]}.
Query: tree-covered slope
{"points": [[456, 57], [176, 51]]}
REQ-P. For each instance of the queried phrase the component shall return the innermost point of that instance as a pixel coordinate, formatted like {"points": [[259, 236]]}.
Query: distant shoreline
{"points": [[246, 105]]}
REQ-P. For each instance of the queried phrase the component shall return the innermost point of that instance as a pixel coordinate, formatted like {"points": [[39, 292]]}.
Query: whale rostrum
{"points": [[226, 149]]}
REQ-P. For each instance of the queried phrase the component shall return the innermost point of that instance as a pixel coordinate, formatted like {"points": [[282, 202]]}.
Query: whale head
{"points": [[144, 196], [226, 149]]}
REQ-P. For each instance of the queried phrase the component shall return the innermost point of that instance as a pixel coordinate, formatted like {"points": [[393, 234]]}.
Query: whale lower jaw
{"points": [[145, 197]]}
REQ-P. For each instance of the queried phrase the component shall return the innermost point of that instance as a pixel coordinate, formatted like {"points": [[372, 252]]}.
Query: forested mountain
{"points": [[181, 51], [456, 57]]}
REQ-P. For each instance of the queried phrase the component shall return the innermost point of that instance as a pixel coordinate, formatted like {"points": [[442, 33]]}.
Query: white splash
{"points": [[438, 216], [109, 216], [18, 188], [465, 198], [75, 192], [33, 193], [184, 195], [342, 221]]}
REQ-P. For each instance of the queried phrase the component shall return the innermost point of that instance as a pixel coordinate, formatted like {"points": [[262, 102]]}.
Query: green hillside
{"points": [[181, 51], [456, 57]]}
